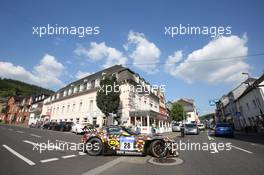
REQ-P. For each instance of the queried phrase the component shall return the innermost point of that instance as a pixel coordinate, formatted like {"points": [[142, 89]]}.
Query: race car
{"points": [[123, 141]]}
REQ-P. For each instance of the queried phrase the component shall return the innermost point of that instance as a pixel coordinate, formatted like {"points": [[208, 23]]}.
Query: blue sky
{"points": [[132, 30]]}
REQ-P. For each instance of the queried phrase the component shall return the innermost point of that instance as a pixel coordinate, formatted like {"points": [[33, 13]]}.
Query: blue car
{"points": [[224, 129]]}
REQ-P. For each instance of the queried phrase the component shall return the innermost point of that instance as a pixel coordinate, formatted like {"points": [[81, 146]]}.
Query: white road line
{"points": [[209, 138], [45, 146], [104, 167], [20, 132], [49, 160], [19, 155], [82, 154], [32, 143], [241, 149], [34, 135], [68, 156], [10, 129]]}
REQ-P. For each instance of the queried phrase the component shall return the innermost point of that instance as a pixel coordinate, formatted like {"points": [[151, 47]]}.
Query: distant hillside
{"points": [[9, 87], [207, 116]]}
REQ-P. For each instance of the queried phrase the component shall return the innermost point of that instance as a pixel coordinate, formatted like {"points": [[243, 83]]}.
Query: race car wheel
{"points": [[158, 149], [94, 146]]}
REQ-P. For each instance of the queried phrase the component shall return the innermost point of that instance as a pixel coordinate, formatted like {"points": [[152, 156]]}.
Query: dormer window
{"points": [[89, 85], [97, 82], [81, 87], [69, 91], [75, 90]]}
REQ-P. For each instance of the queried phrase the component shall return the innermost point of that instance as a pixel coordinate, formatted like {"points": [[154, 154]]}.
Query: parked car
{"points": [[79, 128], [63, 126], [224, 129], [48, 125], [191, 128], [176, 127], [201, 126], [122, 141]]}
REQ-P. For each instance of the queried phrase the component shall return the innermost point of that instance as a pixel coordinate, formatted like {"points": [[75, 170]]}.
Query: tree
{"points": [[177, 112], [108, 96]]}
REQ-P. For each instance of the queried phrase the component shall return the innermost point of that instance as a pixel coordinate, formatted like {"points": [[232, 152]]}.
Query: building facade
{"points": [[190, 109], [243, 106], [76, 102], [36, 108]]}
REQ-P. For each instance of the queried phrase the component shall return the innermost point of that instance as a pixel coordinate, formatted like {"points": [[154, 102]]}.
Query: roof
{"points": [[253, 86], [110, 70], [191, 101]]}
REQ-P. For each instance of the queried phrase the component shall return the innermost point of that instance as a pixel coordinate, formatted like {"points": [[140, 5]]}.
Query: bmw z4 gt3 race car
{"points": [[120, 140]]}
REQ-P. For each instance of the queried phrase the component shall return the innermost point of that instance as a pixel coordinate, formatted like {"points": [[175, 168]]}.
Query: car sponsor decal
{"points": [[127, 143]]}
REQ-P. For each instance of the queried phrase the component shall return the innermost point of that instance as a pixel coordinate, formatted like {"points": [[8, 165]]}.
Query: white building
{"points": [[190, 109], [139, 101], [36, 108], [250, 106]]}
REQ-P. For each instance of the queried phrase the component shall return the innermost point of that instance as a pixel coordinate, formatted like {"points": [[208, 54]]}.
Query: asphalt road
{"points": [[246, 156]]}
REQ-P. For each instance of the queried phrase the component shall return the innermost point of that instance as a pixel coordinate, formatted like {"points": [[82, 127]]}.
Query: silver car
{"points": [[191, 128], [176, 127]]}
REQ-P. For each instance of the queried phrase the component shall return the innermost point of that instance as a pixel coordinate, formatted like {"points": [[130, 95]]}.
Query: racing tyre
{"points": [[158, 149], [94, 147]]}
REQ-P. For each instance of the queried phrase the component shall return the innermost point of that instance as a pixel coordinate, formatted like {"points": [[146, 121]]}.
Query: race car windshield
{"points": [[130, 131]]}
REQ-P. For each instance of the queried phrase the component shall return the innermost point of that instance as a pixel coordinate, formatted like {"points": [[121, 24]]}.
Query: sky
{"points": [[143, 35]]}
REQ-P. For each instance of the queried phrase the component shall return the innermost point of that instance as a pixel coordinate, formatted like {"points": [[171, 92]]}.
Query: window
{"points": [[92, 83], [94, 120], [62, 109], [68, 108], [71, 119], [89, 85], [91, 105], [97, 82], [73, 107], [77, 120], [81, 87], [85, 119], [65, 93], [80, 106], [70, 92], [75, 90]]}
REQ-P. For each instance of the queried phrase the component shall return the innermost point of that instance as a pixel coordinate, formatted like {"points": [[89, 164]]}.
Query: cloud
{"points": [[46, 74], [101, 51], [208, 64], [81, 74], [145, 54]]}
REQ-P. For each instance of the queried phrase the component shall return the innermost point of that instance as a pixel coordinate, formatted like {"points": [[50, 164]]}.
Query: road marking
{"points": [[241, 149], [49, 160], [209, 137], [10, 129], [104, 167], [34, 135], [19, 155], [68, 156], [21, 132], [82, 154], [45, 146], [253, 144]]}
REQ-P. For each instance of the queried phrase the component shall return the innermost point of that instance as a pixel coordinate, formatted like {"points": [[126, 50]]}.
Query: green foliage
{"points": [[177, 112], [108, 99], [9, 87]]}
